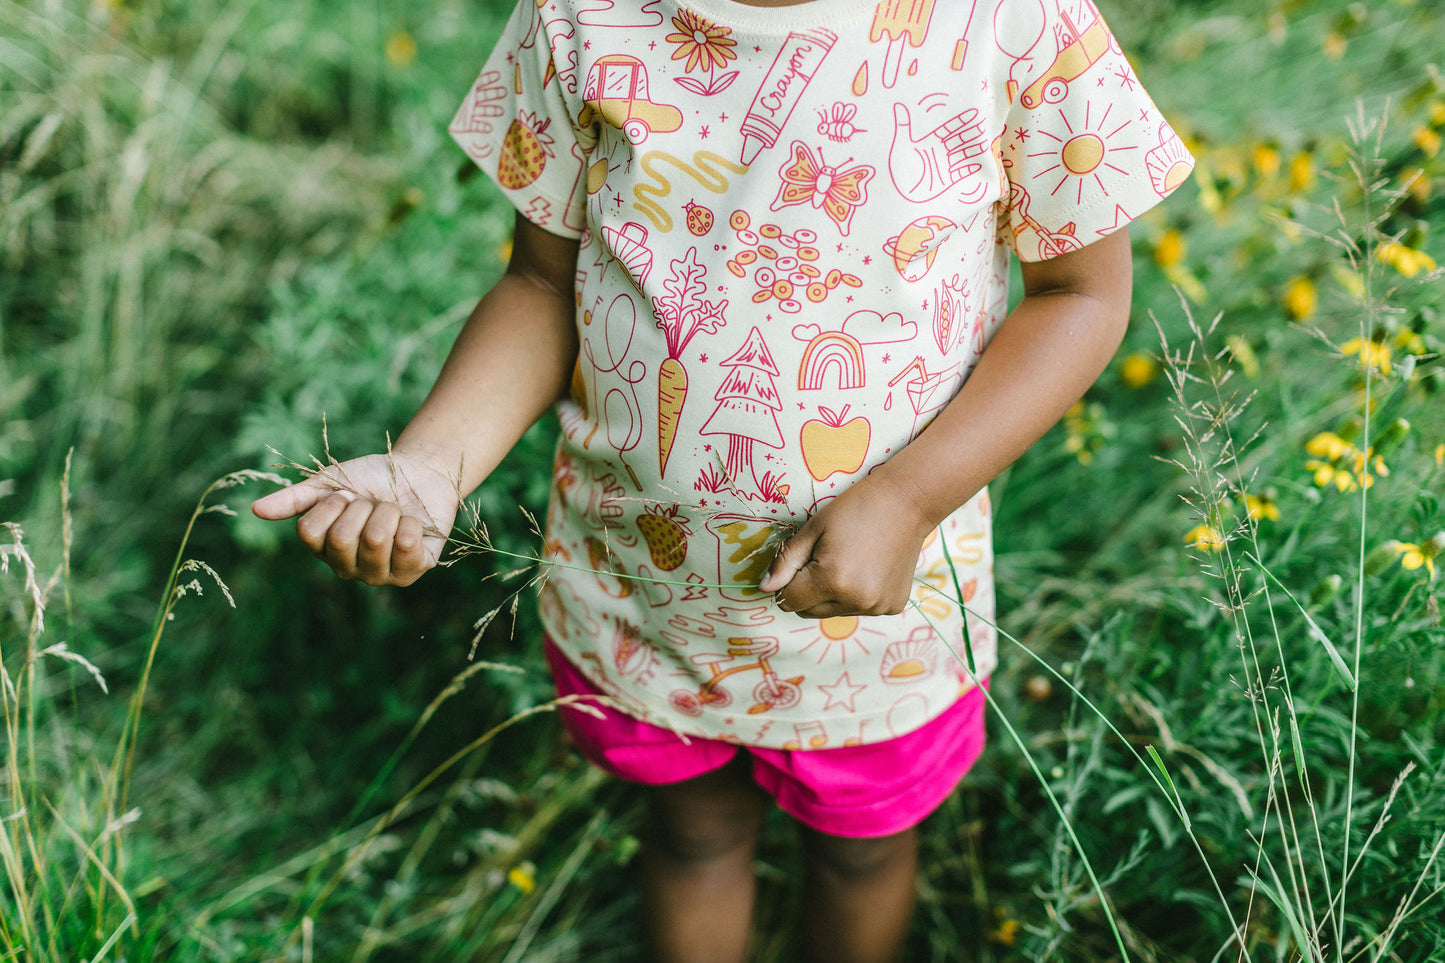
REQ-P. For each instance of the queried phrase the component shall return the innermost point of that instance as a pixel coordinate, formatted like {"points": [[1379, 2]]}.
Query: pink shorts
{"points": [[871, 790]]}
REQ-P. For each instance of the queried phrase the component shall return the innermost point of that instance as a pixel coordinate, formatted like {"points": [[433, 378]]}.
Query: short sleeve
{"points": [[516, 124], [1084, 150]]}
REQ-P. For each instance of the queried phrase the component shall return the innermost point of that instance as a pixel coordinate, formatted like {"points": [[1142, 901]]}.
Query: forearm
{"points": [[511, 361], [1045, 356]]}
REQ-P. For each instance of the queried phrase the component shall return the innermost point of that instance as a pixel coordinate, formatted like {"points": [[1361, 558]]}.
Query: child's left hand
{"points": [[855, 556]]}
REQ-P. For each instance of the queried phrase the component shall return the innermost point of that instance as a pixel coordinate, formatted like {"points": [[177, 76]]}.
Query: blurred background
{"points": [[224, 225]]}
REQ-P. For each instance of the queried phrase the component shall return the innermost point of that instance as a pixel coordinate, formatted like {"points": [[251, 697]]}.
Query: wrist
{"points": [[913, 509]]}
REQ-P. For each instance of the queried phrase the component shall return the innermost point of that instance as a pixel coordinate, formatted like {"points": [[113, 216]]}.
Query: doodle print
{"points": [[1168, 163], [904, 23], [478, 115], [708, 169], [742, 554], [604, 13], [682, 313], [706, 47], [1090, 149], [871, 262], [837, 123], [834, 444], [620, 410], [744, 655], [617, 91], [928, 392], [784, 264], [837, 190], [633, 657], [1081, 40], [914, 248], [841, 351], [928, 165], [792, 69], [628, 244], [747, 412]]}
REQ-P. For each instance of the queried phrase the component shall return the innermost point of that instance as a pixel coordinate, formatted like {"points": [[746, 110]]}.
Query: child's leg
{"points": [[858, 895], [697, 865]]}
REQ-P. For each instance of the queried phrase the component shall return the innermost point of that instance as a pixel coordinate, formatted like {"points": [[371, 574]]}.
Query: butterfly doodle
{"points": [[808, 179]]}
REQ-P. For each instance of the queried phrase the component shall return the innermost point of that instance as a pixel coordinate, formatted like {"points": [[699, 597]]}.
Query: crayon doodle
{"points": [[792, 70]]}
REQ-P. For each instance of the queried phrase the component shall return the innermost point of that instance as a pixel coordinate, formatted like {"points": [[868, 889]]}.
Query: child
{"points": [[760, 248]]}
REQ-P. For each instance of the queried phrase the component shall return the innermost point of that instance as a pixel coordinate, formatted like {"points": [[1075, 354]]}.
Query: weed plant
{"points": [[223, 223]]}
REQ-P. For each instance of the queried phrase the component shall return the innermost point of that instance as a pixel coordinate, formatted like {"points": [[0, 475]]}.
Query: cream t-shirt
{"points": [[795, 227]]}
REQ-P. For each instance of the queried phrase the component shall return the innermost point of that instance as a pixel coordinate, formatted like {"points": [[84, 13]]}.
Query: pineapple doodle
{"points": [[525, 150], [665, 530]]}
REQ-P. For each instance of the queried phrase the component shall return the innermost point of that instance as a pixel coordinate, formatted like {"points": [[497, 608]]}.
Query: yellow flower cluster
{"points": [[1205, 538], [1407, 260], [1372, 354], [1339, 463]]}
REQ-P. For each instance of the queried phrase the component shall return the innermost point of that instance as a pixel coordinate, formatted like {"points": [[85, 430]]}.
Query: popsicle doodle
{"points": [[905, 24], [792, 69]]}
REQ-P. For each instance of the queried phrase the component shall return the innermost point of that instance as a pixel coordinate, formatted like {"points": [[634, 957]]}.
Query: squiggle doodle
{"points": [[708, 169]]}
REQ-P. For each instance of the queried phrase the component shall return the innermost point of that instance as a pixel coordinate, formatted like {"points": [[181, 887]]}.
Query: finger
{"points": [[313, 526], [292, 501], [343, 538], [795, 553], [409, 555], [375, 544]]}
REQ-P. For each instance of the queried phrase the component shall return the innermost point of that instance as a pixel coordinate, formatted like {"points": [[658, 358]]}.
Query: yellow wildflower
{"points": [[1334, 45], [523, 877], [1423, 555], [1261, 508], [1170, 249], [1206, 538], [1372, 354], [1409, 341], [1006, 933], [1266, 160], [1301, 171], [1138, 370], [1427, 140], [1437, 113], [1300, 298], [401, 48], [1407, 260], [1327, 444], [1439, 455]]}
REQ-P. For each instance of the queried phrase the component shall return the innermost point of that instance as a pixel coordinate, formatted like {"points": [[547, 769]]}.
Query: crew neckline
{"points": [[799, 16]]}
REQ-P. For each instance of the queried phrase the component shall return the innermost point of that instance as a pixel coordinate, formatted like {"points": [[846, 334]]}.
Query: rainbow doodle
{"points": [[831, 349]]}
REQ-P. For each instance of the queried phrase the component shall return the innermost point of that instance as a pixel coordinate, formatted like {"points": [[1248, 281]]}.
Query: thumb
{"points": [[902, 122], [292, 501], [796, 552]]}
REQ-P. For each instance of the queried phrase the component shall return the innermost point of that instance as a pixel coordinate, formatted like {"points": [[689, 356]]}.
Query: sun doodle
{"points": [[842, 631], [1082, 157]]}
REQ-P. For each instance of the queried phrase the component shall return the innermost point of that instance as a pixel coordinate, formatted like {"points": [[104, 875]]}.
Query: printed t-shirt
{"points": [[795, 225]]}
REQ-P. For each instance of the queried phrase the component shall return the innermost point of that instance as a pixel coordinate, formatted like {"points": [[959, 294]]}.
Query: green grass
{"points": [[222, 223]]}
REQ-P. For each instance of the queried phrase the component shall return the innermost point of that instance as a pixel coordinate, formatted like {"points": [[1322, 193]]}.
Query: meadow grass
{"points": [[1217, 723]]}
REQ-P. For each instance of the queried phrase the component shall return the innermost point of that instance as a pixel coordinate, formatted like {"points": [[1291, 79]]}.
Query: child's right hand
{"points": [[383, 519]]}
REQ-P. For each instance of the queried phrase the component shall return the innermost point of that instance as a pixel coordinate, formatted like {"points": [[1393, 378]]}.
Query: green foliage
{"points": [[223, 226]]}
